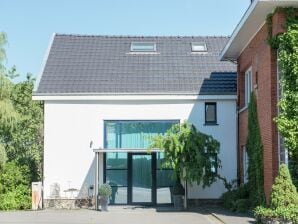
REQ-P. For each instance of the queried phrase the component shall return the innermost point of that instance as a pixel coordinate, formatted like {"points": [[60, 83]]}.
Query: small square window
{"points": [[210, 113], [198, 47], [143, 46]]}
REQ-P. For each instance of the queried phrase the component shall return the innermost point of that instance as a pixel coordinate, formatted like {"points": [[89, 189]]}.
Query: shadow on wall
{"points": [[87, 188]]}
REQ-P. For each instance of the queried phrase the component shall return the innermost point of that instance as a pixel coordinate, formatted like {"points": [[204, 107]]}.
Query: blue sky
{"points": [[30, 24]]}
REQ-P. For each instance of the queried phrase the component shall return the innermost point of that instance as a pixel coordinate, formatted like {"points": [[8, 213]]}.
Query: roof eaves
{"points": [[237, 29]]}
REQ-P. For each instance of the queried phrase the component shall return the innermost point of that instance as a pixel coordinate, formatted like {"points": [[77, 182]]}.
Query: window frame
{"points": [[215, 113], [248, 88], [132, 49]]}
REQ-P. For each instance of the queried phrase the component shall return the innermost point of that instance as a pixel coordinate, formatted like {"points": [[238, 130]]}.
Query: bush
{"points": [[282, 214], [14, 187], [283, 191], [20, 198], [242, 205], [237, 200], [284, 200]]}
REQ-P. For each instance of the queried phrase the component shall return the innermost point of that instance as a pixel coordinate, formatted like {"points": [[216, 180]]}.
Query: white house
{"points": [[112, 92]]}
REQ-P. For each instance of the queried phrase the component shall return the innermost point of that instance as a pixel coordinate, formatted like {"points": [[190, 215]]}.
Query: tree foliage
{"points": [[255, 156], [14, 190], [191, 154], [20, 137], [283, 192], [287, 120]]}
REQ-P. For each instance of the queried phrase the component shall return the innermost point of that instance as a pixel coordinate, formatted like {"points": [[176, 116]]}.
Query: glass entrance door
{"points": [[141, 178]]}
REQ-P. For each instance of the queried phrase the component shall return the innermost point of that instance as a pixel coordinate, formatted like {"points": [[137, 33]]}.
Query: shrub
{"points": [[14, 187], [19, 198], [237, 200], [105, 190], [242, 205], [283, 191], [283, 214], [284, 200]]}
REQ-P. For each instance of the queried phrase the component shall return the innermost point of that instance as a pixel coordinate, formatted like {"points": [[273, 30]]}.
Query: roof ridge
{"points": [[140, 36]]}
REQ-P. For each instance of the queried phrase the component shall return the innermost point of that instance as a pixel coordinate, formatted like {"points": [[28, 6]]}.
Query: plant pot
{"points": [[104, 201], [178, 202], [274, 221]]}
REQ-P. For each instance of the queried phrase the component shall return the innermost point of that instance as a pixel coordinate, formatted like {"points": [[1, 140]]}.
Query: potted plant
{"points": [[178, 194], [104, 191]]}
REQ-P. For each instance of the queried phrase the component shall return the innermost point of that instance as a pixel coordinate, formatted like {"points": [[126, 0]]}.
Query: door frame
{"points": [[129, 178], [153, 178]]}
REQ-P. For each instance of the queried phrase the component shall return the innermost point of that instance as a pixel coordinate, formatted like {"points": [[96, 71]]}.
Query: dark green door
{"points": [[141, 178]]}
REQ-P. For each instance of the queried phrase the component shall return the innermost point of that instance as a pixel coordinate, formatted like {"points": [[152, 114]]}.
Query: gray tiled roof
{"points": [[82, 64]]}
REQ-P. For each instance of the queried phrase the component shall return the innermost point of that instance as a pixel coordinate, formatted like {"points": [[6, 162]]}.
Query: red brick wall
{"points": [[262, 59]]}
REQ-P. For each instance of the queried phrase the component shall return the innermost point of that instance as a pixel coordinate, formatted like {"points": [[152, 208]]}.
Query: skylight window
{"points": [[199, 47], [143, 47]]}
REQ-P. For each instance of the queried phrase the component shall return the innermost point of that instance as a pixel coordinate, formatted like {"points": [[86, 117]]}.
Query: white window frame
{"points": [[196, 44], [133, 49], [247, 86]]}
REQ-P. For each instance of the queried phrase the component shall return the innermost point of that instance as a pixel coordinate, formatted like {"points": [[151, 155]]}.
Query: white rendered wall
{"points": [[71, 125]]}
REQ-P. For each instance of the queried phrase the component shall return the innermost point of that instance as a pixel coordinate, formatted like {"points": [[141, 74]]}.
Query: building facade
{"points": [[258, 72], [113, 93]]}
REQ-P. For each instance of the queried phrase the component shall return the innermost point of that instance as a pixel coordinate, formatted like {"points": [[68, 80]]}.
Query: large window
{"points": [[248, 86], [133, 134]]}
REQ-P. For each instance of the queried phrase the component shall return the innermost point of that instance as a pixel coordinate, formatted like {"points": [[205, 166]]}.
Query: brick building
{"points": [[258, 72]]}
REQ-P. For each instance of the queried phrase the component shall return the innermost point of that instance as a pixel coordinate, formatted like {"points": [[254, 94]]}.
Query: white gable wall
{"points": [[71, 125]]}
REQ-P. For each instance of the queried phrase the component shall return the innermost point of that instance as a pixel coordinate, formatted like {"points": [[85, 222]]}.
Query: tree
{"points": [[191, 154], [20, 137], [255, 156], [8, 115]]}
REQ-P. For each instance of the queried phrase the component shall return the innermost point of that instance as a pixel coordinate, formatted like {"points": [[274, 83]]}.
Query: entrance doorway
{"points": [[141, 179], [138, 178], [135, 176]]}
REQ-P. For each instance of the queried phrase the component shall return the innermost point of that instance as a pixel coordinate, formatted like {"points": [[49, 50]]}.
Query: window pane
{"points": [[165, 178], [164, 195], [112, 135], [119, 195], [116, 160], [213, 163], [160, 157], [199, 47], [116, 177], [143, 46], [210, 113], [134, 134]]}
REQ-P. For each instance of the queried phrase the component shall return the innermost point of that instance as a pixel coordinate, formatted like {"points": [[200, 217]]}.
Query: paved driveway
{"points": [[114, 216]]}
